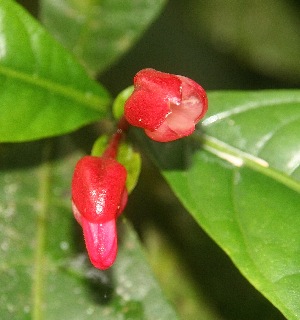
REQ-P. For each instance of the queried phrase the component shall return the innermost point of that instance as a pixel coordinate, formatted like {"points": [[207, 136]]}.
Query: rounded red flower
{"points": [[167, 106]]}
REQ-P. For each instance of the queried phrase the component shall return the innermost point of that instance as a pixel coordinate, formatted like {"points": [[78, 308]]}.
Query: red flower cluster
{"points": [[168, 107]]}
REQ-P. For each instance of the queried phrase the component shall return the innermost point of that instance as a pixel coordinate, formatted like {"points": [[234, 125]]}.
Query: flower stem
{"points": [[112, 149]]}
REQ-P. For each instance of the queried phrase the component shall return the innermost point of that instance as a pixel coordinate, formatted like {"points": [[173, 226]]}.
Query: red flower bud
{"points": [[98, 187], [99, 196], [167, 106]]}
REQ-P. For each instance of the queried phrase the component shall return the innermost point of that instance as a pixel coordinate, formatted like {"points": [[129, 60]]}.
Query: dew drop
{"points": [[4, 246], [26, 309], [10, 308], [90, 311], [64, 245]]}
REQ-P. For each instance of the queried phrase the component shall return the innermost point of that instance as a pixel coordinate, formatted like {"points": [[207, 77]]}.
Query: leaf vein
{"points": [[240, 158], [247, 107], [39, 259], [261, 144], [86, 98]]}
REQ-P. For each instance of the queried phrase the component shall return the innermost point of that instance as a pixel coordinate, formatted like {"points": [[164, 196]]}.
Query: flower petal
{"points": [[194, 99], [101, 242]]}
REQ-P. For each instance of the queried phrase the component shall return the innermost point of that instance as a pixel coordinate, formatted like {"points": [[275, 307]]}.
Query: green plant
{"points": [[237, 174]]}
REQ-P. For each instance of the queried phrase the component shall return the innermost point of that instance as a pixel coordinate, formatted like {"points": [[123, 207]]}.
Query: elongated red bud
{"points": [[99, 196], [167, 106]]}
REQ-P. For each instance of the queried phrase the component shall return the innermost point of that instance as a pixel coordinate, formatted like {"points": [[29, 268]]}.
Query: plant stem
{"points": [[112, 149]]}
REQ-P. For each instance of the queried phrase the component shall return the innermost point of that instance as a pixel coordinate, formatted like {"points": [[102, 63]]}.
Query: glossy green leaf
{"points": [[264, 125], [45, 273], [98, 32], [240, 181], [43, 89]]}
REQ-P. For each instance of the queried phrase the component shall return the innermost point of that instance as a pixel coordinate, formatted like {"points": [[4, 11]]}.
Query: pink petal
{"points": [[194, 99], [180, 122], [162, 134], [101, 242]]}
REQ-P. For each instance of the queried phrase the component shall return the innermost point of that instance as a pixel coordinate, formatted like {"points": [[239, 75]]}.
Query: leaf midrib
{"points": [[39, 258], [88, 99], [286, 96], [240, 158]]}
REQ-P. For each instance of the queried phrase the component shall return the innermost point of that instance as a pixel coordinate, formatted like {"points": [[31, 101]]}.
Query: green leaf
{"points": [[45, 273], [98, 32], [260, 125], [44, 91], [240, 181]]}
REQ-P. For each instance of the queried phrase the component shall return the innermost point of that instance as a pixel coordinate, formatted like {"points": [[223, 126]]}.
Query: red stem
{"points": [[112, 149]]}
